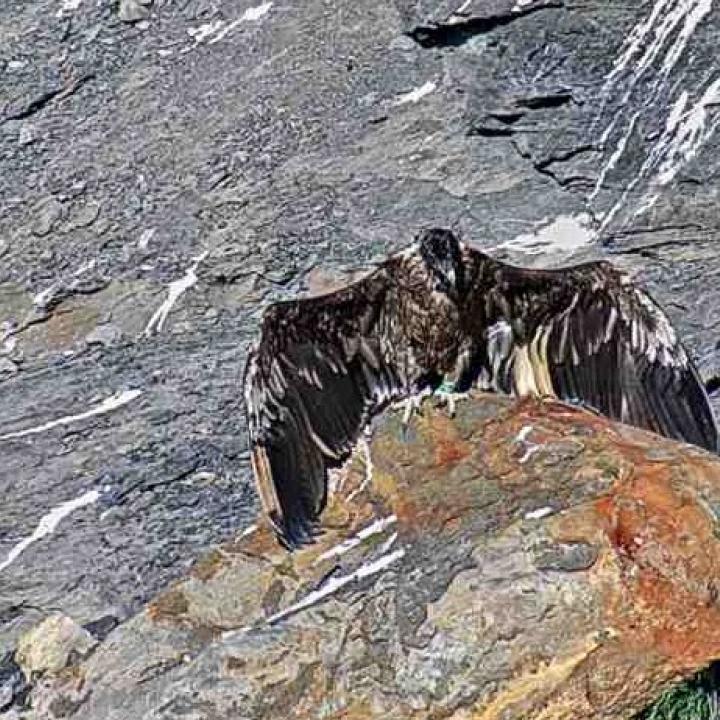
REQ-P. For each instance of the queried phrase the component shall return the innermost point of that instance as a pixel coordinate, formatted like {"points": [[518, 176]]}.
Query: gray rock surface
{"points": [[456, 576], [226, 154]]}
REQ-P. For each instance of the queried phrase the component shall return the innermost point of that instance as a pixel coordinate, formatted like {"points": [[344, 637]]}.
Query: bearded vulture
{"points": [[442, 311]]}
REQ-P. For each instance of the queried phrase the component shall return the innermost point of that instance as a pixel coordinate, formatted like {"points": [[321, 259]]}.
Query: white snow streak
{"points": [[530, 447], [107, 405], [204, 31], [521, 5], [175, 290], [539, 513], [687, 129], [522, 436], [214, 32], [334, 584], [41, 299], [418, 94], [659, 40], [377, 527], [616, 155], [48, 524]]}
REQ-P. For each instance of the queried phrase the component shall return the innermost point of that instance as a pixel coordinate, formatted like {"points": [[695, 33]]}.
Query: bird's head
{"points": [[441, 251]]}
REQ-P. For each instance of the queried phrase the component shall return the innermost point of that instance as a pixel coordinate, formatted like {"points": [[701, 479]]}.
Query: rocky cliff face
{"points": [[518, 561], [166, 170]]}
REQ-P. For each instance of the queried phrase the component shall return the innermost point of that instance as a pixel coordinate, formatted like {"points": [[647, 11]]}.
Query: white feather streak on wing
{"points": [[566, 325], [263, 481], [542, 372], [661, 344], [369, 354], [319, 442], [610, 327], [574, 353], [523, 375], [624, 412], [499, 344]]}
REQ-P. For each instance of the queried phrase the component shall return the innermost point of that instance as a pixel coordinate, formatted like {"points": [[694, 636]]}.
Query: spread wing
{"points": [[322, 367], [586, 334]]}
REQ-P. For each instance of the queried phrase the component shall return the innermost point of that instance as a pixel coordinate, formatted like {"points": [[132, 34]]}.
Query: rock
{"points": [[13, 686], [48, 214], [52, 645], [7, 366], [83, 215], [26, 136], [106, 334], [131, 11], [453, 578], [216, 129]]}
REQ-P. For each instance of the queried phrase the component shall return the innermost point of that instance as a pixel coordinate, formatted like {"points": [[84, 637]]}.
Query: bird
{"points": [[444, 314]]}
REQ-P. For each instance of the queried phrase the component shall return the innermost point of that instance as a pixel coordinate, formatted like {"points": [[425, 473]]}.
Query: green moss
{"points": [[695, 699]]}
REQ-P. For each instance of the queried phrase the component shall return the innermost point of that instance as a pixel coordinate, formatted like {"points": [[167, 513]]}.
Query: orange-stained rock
{"points": [[521, 560]]}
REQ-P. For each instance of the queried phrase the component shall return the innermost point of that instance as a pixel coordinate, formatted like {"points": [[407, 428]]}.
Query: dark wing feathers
{"points": [[320, 370], [324, 365], [612, 347]]}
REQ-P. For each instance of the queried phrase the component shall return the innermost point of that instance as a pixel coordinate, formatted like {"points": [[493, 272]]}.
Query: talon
{"points": [[412, 404], [449, 397]]}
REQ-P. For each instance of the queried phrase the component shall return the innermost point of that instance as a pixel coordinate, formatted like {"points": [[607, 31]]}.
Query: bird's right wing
{"points": [[322, 367]]}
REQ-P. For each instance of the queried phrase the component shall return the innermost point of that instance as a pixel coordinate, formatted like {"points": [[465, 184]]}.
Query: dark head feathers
{"points": [[440, 250]]}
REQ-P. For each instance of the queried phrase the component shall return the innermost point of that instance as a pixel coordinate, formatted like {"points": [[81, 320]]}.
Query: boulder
{"points": [[520, 560], [51, 645]]}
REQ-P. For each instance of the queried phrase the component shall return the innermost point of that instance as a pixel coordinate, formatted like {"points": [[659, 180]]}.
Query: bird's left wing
{"points": [[587, 334], [322, 367]]}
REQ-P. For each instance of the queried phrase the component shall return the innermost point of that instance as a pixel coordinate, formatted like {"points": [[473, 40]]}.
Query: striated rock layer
{"points": [[522, 560]]}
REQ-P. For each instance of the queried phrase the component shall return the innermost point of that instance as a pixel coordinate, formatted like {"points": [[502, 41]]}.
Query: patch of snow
{"points": [[418, 94], [68, 6], [147, 235], [616, 154], [175, 290], [563, 234], [216, 31], [204, 31], [42, 298], [523, 434], [687, 129], [659, 40]]}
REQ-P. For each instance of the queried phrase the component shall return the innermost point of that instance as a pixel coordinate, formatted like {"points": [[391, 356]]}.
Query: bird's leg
{"points": [[412, 404], [445, 392]]}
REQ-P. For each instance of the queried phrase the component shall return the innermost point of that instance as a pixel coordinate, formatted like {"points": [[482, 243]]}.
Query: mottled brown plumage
{"points": [[441, 310]]}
